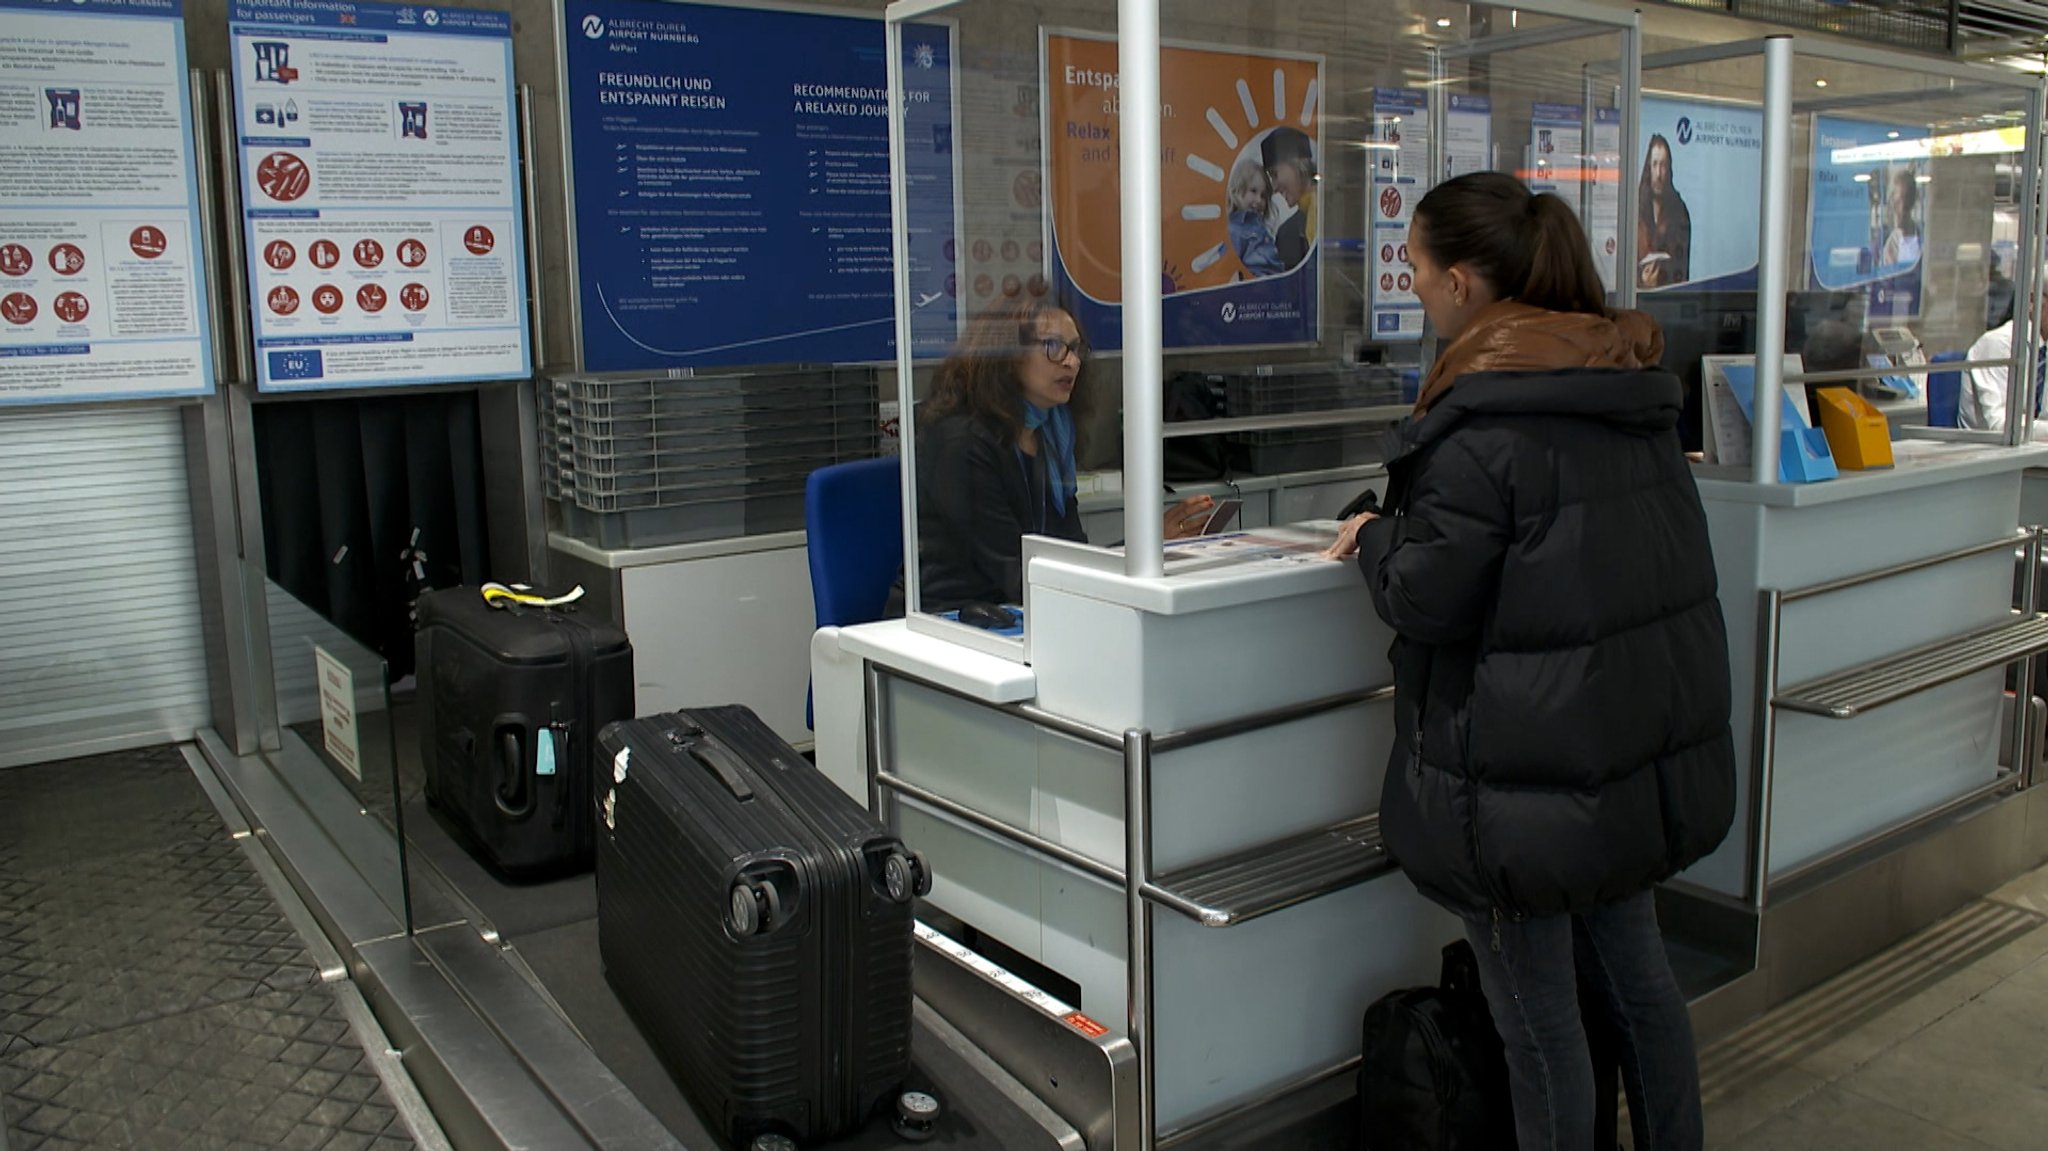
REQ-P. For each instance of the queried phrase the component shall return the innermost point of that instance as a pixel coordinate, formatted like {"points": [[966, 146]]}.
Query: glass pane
{"points": [[1903, 215], [337, 743], [1014, 407]]}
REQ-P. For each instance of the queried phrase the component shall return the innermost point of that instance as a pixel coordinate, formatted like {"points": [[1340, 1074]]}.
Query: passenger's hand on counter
{"points": [[1347, 536], [1186, 518]]}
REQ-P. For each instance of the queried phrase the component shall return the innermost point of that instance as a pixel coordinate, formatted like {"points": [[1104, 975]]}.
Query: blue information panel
{"points": [[102, 279], [730, 171], [380, 193], [1869, 184]]}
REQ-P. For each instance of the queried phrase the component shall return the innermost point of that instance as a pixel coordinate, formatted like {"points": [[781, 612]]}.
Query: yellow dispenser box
{"points": [[1857, 432]]}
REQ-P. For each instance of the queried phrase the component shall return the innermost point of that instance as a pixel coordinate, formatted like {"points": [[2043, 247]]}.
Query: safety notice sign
{"points": [[380, 193], [101, 289]]}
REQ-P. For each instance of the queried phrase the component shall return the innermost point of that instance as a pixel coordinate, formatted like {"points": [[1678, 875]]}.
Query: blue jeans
{"points": [[1527, 970]]}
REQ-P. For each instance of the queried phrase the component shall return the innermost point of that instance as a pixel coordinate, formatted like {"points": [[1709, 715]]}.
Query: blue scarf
{"points": [[1055, 428]]}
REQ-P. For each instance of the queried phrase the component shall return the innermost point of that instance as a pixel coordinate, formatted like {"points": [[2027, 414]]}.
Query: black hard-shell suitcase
{"points": [[511, 701], [756, 924]]}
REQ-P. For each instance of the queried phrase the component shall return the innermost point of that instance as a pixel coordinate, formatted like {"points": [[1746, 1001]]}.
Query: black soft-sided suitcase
{"points": [[756, 924], [511, 701]]}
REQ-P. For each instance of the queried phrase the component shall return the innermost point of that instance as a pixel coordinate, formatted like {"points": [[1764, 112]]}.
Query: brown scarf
{"points": [[1511, 337]]}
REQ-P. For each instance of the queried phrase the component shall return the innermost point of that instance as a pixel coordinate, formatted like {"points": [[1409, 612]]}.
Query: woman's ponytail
{"points": [[1529, 247], [1562, 277]]}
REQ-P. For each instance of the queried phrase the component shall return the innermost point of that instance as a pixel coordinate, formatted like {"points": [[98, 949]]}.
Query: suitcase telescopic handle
{"points": [[715, 760]]}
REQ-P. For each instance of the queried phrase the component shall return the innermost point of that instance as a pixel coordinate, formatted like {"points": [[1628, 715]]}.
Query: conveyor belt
{"points": [[152, 993]]}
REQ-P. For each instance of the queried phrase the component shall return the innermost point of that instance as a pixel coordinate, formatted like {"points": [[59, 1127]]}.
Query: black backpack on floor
{"points": [[1434, 1077]]}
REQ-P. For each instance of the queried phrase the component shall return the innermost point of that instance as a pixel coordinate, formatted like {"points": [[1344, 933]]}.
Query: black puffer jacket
{"points": [[1561, 666]]}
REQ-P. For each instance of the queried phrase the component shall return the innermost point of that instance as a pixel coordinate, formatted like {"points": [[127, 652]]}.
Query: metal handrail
{"points": [[998, 828], [1852, 691], [1249, 884], [1766, 701], [1138, 747], [2019, 538]]}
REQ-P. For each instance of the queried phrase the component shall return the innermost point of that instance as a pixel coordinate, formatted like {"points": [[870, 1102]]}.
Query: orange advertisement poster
{"points": [[1240, 153]]}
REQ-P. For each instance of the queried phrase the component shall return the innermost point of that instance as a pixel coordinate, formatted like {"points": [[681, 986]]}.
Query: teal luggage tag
{"points": [[544, 761]]}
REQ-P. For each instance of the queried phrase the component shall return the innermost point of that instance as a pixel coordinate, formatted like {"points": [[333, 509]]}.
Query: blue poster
{"points": [[381, 199], [1699, 195], [730, 185], [1867, 211], [102, 270]]}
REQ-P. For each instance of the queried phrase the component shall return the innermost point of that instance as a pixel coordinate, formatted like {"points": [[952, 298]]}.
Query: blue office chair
{"points": [[1944, 392], [853, 516]]}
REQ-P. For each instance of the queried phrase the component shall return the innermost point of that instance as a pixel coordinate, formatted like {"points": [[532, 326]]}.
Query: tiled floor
{"points": [[1940, 1043]]}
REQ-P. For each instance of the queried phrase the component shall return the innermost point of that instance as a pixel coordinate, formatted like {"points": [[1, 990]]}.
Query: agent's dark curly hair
{"points": [[980, 377]]}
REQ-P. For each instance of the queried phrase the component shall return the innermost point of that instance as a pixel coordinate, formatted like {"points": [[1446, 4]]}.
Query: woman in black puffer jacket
{"points": [[1561, 666]]}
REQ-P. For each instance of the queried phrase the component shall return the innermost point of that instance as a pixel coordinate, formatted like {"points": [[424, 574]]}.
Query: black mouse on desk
{"points": [[986, 615]]}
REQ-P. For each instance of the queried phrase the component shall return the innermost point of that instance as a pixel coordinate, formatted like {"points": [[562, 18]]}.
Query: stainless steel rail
{"points": [[1242, 887], [1850, 692]]}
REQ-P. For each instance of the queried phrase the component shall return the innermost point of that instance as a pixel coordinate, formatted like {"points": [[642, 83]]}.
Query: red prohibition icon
{"points": [[1386, 281], [1405, 282], [148, 242], [283, 177], [414, 297], [67, 259], [368, 253], [327, 299], [15, 260], [283, 300], [1390, 202], [18, 308], [71, 307], [479, 240], [412, 253], [370, 298], [279, 254], [1386, 253], [324, 254]]}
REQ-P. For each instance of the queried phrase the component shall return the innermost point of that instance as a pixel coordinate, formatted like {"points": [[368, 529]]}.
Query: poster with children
{"points": [[1240, 155]]}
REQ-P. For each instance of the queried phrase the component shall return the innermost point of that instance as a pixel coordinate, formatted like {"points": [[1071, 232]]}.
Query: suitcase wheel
{"points": [[905, 876], [756, 908]]}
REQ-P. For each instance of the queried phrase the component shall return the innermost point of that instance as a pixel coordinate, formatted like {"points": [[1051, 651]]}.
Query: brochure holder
{"points": [[1803, 455], [1857, 432]]}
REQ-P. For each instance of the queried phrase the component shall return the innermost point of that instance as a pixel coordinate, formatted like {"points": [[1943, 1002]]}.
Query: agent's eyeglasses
{"points": [[1056, 349]]}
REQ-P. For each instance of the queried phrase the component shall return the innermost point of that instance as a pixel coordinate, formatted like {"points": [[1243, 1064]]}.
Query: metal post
{"points": [[871, 715], [2026, 282], [2023, 686], [530, 189], [906, 381], [1631, 105], [1763, 744], [1138, 126], [1771, 256], [242, 366], [1138, 954]]}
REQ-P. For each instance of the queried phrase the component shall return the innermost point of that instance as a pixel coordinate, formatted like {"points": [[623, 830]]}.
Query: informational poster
{"points": [[1699, 192], [380, 193], [1240, 149], [730, 182], [1603, 195], [1399, 155], [338, 729], [1468, 135], [1556, 133], [101, 270], [1869, 211]]}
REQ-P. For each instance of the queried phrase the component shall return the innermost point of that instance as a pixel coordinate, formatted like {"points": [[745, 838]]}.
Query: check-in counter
{"points": [[1870, 623], [1241, 706]]}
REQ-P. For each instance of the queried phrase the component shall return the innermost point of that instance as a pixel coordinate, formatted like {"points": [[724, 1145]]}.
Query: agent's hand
{"points": [[1186, 518], [1347, 536]]}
